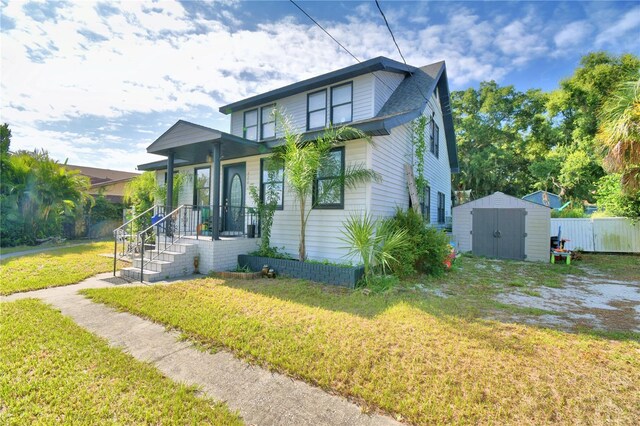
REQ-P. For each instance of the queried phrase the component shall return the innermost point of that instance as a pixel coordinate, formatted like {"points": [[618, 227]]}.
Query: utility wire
{"points": [[334, 39], [391, 32], [325, 31]]}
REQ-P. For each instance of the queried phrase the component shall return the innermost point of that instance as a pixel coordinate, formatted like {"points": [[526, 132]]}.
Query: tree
{"points": [[616, 202], [303, 160], [499, 131], [619, 132], [38, 195]]}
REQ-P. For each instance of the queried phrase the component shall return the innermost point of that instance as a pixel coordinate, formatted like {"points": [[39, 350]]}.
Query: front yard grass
{"points": [[54, 268], [54, 372], [427, 360]]}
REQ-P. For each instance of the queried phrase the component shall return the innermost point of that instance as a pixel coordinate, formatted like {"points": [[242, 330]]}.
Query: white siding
{"points": [[385, 83], [537, 223], [437, 170], [324, 226], [389, 154], [295, 107]]}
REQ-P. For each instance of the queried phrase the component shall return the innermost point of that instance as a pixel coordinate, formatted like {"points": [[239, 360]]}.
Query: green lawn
{"points": [[430, 360], [54, 372], [8, 250], [54, 268]]}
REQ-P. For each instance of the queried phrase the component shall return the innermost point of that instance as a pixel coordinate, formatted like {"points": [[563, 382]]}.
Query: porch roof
{"points": [[191, 143]]}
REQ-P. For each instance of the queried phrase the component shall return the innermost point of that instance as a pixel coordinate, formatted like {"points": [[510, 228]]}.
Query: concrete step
{"points": [[153, 265], [131, 273]]}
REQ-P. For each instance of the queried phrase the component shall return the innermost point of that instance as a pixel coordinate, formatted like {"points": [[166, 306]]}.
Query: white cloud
{"points": [[628, 24], [151, 58], [572, 34]]}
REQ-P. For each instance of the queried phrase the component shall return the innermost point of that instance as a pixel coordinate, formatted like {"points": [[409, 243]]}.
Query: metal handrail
{"points": [[184, 221], [121, 233], [135, 218]]}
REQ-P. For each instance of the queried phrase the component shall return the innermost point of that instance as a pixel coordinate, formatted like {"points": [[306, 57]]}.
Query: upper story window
{"points": [[317, 110], [272, 181], [251, 125], [328, 190], [434, 138], [201, 187], [440, 207], [342, 103], [267, 122]]}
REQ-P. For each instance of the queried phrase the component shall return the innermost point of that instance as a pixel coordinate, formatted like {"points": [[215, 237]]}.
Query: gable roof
{"points": [[376, 64], [406, 103], [549, 194], [99, 176], [192, 142]]}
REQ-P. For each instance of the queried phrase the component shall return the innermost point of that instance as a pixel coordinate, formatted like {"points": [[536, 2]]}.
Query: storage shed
{"points": [[504, 227]]}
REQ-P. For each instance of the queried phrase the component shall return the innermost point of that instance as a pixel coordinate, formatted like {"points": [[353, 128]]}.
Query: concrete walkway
{"points": [[261, 397]]}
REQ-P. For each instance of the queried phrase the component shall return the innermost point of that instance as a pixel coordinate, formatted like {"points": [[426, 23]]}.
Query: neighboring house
{"points": [[544, 198], [108, 182], [380, 97]]}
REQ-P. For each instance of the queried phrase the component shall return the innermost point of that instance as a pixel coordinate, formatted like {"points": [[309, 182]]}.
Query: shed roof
{"points": [[503, 200]]}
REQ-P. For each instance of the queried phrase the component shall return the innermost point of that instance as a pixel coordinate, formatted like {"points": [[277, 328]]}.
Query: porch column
{"points": [[170, 159], [215, 193]]}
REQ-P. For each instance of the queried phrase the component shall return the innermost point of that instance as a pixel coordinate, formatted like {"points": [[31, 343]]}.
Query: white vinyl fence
{"points": [[607, 234]]}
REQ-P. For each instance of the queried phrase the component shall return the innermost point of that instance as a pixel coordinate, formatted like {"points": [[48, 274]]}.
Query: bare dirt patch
{"points": [[592, 301]]}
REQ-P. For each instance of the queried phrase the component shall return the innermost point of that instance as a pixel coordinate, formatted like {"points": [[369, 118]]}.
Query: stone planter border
{"points": [[327, 274]]}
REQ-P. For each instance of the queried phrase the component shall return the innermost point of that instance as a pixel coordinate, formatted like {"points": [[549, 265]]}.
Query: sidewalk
{"points": [[261, 397]]}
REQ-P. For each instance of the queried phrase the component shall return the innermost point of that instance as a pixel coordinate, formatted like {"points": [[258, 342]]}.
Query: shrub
{"points": [[427, 250]]}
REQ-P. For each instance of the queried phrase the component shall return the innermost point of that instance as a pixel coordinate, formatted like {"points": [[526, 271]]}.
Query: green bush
{"points": [[427, 249], [575, 212]]}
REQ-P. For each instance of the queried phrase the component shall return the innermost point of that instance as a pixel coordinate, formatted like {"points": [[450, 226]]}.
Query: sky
{"points": [[95, 83]]}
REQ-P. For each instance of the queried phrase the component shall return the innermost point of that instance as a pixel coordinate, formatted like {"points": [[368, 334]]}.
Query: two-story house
{"points": [[380, 96]]}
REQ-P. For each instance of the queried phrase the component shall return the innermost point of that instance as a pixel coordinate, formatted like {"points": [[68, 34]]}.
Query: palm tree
{"points": [[304, 159], [620, 133]]}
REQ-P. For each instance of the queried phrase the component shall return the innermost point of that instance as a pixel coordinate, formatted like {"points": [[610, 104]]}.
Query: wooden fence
{"points": [[610, 234]]}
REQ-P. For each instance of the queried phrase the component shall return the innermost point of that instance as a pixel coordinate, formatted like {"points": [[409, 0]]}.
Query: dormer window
{"points": [[267, 122], [342, 103], [317, 110], [251, 125]]}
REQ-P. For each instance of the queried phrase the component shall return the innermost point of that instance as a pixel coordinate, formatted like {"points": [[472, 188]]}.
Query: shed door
{"points": [[498, 233], [510, 234], [485, 223]]}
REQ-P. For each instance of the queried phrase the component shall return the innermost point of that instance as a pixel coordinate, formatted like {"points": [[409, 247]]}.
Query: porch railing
{"points": [[125, 237], [153, 232]]}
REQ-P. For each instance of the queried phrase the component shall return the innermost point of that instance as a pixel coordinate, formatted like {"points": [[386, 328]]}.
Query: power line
{"points": [[391, 32], [339, 44], [325, 31], [398, 47]]}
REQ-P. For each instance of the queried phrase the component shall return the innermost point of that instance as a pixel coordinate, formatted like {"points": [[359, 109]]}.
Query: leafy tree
{"points": [[39, 193], [499, 132], [616, 202], [304, 159], [141, 191], [620, 133]]}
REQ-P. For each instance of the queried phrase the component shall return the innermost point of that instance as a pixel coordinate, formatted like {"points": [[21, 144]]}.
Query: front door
{"points": [[233, 199]]}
